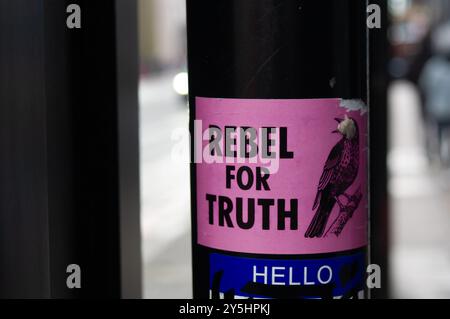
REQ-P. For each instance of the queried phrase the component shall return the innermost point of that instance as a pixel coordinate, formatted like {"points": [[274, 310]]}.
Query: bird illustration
{"points": [[339, 173]]}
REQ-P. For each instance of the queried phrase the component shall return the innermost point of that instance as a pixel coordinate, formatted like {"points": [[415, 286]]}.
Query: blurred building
{"points": [[162, 38]]}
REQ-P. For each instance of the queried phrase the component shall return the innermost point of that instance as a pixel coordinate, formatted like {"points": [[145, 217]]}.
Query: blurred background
{"points": [[419, 145], [164, 117], [418, 150]]}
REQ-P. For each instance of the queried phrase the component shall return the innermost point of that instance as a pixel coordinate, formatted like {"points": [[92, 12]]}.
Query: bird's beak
{"points": [[338, 120], [335, 132]]}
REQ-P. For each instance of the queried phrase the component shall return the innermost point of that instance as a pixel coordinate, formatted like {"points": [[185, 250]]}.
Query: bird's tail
{"points": [[320, 220]]}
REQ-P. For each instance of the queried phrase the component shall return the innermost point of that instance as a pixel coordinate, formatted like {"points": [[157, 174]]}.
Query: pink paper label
{"points": [[281, 176]]}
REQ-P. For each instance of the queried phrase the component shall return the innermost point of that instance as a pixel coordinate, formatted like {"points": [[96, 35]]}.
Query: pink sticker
{"points": [[315, 198]]}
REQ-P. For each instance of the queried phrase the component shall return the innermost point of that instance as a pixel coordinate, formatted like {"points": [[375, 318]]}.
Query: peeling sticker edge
{"points": [[354, 105]]}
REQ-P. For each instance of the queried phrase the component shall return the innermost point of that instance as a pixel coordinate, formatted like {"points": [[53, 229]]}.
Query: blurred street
{"points": [[165, 216], [420, 204]]}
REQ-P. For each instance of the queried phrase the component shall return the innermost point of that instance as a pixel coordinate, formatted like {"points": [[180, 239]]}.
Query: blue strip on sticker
{"points": [[239, 277]]}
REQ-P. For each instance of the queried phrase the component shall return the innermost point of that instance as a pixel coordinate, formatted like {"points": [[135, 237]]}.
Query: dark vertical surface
{"points": [[70, 179], [24, 240], [127, 104], [379, 80], [93, 107], [64, 227]]}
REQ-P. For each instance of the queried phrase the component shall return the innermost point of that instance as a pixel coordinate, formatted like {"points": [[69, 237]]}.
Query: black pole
{"points": [[247, 57]]}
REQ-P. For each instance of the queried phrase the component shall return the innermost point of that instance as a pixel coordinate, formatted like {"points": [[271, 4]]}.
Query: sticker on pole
{"points": [[283, 177], [340, 277]]}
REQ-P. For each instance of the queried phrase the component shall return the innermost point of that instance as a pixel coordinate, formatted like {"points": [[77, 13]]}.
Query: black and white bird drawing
{"points": [[339, 173]]}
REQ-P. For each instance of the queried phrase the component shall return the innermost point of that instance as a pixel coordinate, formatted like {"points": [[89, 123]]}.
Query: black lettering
{"points": [[265, 205], [211, 199], [283, 214], [240, 178], [230, 141], [262, 176], [250, 214], [249, 149], [284, 153], [229, 175], [225, 209], [267, 142], [215, 139]]}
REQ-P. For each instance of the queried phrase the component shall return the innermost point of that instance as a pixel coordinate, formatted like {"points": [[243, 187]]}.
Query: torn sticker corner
{"points": [[354, 105]]}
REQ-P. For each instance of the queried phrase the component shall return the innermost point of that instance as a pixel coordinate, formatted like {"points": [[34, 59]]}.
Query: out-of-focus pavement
{"points": [[420, 199], [165, 216], [420, 205]]}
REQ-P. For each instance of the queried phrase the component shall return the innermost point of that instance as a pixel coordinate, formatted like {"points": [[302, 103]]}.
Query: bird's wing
{"points": [[333, 160]]}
